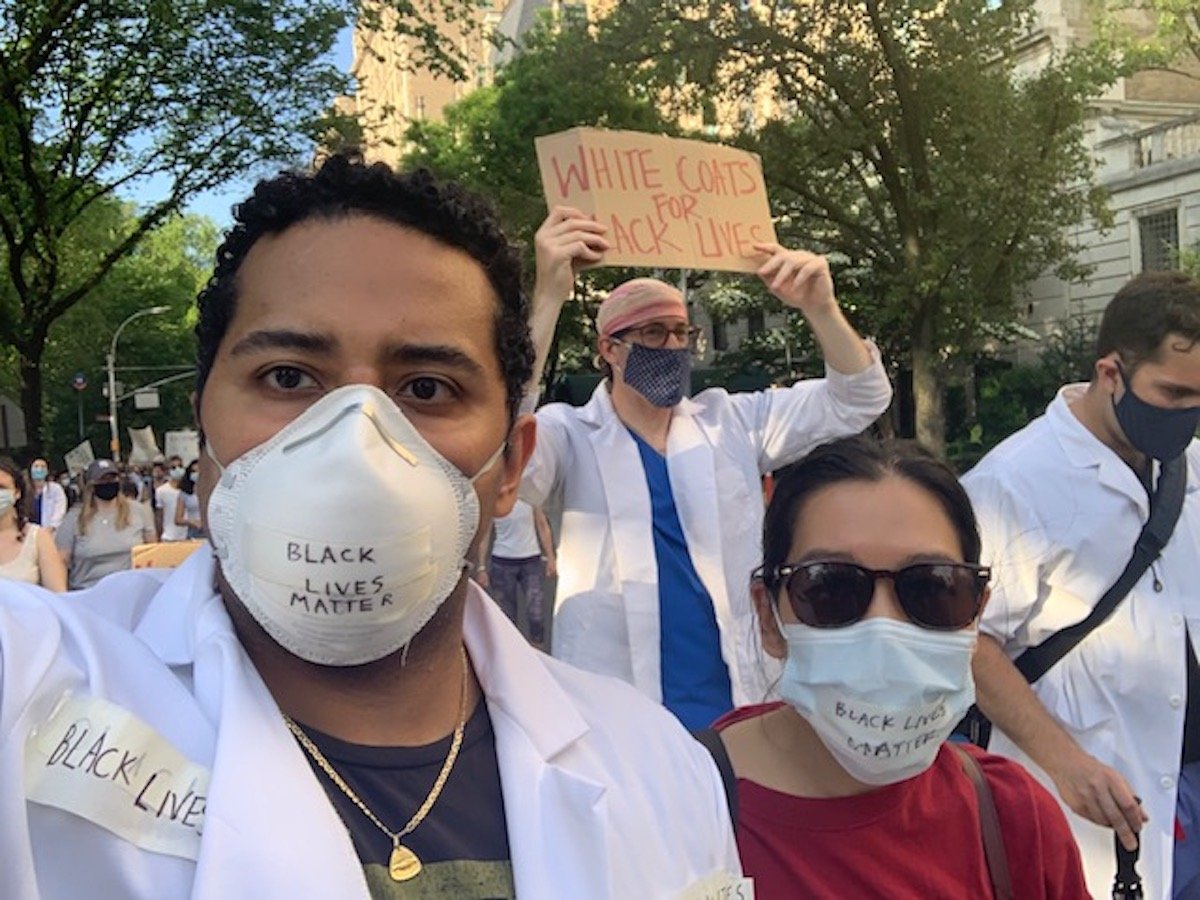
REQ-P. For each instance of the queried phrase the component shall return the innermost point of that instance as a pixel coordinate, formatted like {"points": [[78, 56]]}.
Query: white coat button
{"points": [[1176, 701], [1176, 619], [1167, 782]]}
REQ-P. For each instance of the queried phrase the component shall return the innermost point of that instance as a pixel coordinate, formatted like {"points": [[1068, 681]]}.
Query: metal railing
{"points": [[1170, 140]]}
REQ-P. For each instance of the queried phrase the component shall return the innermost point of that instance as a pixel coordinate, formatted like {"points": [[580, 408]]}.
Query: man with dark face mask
{"points": [[660, 492], [1112, 726]]}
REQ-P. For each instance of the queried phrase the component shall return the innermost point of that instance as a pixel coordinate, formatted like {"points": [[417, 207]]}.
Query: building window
{"points": [[1158, 238], [720, 336], [420, 109], [755, 321]]}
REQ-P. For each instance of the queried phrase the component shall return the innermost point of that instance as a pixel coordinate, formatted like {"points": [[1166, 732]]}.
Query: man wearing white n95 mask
{"points": [[324, 705]]}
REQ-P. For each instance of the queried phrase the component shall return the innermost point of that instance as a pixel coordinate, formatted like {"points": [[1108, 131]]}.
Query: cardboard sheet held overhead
{"points": [[667, 202]]}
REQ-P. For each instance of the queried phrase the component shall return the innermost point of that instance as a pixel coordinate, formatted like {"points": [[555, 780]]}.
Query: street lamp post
{"points": [[111, 360]]}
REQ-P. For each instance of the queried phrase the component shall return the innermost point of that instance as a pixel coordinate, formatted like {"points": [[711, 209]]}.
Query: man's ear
{"points": [[768, 628], [521, 440], [606, 349], [1107, 373]]}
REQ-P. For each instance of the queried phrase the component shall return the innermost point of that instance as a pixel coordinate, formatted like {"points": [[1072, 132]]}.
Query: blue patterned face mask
{"points": [[660, 375]]}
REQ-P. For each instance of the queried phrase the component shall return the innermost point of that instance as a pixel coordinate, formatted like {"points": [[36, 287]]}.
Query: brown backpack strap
{"points": [[989, 822]]}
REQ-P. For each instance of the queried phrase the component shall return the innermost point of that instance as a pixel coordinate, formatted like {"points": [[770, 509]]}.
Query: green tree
{"points": [[903, 139], [167, 269], [1161, 34], [170, 96]]}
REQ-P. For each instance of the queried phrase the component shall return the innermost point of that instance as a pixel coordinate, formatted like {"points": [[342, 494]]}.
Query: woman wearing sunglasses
{"points": [[870, 593]]}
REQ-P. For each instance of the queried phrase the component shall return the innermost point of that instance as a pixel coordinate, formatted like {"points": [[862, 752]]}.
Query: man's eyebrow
{"points": [[437, 354], [402, 354], [283, 339]]}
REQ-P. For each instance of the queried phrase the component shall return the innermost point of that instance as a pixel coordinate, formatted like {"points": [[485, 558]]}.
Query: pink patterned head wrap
{"points": [[638, 301]]}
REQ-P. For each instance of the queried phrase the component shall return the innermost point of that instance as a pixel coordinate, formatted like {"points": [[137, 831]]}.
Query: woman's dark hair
{"points": [[22, 504], [343, 186], [185, 483], [861, 458]]}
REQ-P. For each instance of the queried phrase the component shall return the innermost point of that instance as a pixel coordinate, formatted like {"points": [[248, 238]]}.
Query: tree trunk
{"points": [[31, 394], [928, 408]]}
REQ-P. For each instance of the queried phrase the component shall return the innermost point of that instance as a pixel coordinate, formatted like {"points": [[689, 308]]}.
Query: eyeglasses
{"points": [[940, 596], [654, 335]]}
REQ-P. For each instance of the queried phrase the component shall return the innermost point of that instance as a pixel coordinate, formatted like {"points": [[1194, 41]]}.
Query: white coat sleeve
{"points": [[785, 423], [543, 473], [1014, 546]]}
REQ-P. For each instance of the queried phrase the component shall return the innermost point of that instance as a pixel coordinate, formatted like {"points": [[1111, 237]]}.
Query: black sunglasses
{"points": [[941, 596]]}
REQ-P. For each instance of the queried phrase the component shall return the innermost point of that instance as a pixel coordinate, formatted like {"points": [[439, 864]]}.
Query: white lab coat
{"points": [[54, 504], [1060, 512], [605, 795], [606, 614]]}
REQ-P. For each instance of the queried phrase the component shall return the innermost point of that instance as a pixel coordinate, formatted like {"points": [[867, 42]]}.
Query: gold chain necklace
{"points": [[403, 863]]}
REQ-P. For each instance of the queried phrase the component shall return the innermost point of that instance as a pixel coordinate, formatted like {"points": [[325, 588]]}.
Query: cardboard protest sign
{"points": [[185, 444], [667, 202], [145, 445], [77, 459]]}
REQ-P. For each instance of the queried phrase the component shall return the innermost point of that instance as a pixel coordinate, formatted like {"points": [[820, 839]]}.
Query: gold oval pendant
{"points": [[403, 864]]}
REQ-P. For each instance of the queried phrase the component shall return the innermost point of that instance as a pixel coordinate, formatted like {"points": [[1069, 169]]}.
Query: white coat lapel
{"points": [[694, 487], [628, 501], [269, 829], [557, 815]]}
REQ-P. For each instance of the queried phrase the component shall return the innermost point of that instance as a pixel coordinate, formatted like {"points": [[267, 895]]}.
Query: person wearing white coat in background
{"points": [[324, 705], [661, 494], [1060, 505]]}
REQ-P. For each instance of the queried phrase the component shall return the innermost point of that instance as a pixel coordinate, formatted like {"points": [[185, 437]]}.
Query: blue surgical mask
{"points": [[39, 473], [1158, 432], [660, 375]]}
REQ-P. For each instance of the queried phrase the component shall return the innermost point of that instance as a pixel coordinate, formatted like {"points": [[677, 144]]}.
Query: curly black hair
{"points": [[344, 185]]}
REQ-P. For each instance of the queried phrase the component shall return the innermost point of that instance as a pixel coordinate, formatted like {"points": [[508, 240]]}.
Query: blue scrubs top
{"points": [[695, 679]]}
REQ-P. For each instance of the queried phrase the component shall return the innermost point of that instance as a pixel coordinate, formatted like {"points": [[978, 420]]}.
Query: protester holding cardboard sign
{"points": [[661, 494]]}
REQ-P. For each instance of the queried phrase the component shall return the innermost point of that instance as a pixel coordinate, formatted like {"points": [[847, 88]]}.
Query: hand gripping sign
{"points": [[667, 202]]}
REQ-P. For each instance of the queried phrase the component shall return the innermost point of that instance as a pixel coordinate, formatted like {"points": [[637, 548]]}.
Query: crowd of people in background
{"points": [[67, 531]]}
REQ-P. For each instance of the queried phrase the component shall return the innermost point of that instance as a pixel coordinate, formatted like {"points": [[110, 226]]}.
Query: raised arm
{"points": [[566, 242], [802, 281]]}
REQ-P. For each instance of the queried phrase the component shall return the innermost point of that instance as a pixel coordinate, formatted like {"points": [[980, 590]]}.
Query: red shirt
{"points": [[919, 838]]}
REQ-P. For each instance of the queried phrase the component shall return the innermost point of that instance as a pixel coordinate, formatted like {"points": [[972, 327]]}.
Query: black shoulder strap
{"points": [[1165, 506], [711, 739]]}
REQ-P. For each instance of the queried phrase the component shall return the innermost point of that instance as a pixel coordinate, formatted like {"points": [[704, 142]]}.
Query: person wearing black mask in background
{"points": [[1111, 726], [97, 535]]}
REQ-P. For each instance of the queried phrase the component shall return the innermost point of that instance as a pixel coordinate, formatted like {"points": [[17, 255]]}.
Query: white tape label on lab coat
{"points": [[101, 762], [720, 886]]}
